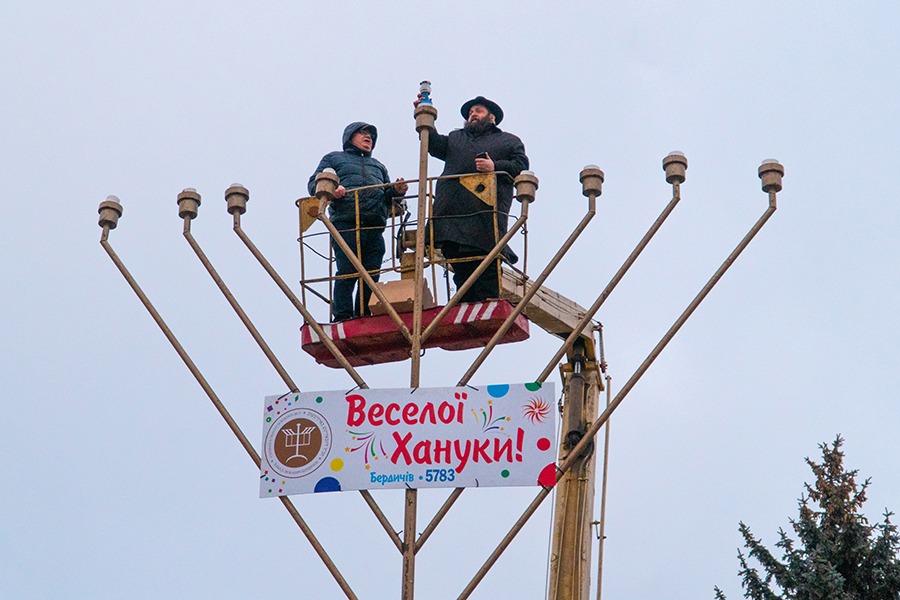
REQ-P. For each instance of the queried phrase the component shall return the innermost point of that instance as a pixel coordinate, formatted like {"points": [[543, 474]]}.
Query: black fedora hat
{"points": [[492, 107]]}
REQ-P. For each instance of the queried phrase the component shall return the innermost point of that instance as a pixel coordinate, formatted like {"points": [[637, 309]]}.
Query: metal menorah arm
{"points": [[770, 172], [237, 197], [188, 204], [675, 164], [110, 211], [592, 180]]}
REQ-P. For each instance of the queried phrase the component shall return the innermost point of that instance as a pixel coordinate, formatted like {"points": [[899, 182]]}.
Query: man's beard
{"points": [[479, 125]]}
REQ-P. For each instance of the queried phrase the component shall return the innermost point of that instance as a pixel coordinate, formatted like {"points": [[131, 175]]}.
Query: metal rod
{"points": [[438, 517], [520, 307], [379, 514], [276, 364], [431, 249], [382, 519], [308, 288], [235, 429], [576, 452], [357, 235], [409, 545], [603, 496], [302, 256], [415, 353], [592, 204], [660, 346], [505, 542], [361, 269], [411, 496], [482, 266], [576, 331], [320, 331]]}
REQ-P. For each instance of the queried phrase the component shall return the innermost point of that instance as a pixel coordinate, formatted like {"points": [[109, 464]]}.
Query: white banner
{"points": [[497, 435]]}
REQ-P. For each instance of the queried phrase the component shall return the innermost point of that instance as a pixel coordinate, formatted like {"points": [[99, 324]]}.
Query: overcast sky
{"points": [[119, 478]]}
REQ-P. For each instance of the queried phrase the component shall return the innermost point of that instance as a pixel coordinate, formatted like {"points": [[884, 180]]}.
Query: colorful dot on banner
{"points": [[421, 478], [543, 444], [268, 419], [504, 473], [290, 403], [328, 484], [319, 399], [337, 464], [547, 478], [269, 408], [498, 391], [270, 491], [280, 490], [533, 387], [277, 401], [296, 398]]}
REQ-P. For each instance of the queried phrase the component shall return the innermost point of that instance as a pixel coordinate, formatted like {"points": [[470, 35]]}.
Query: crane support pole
{"points": [[602, 534], [220, 407], [570, 557]]}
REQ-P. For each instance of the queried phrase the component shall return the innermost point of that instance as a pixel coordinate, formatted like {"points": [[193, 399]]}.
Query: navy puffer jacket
{"points": [[356, 168]]}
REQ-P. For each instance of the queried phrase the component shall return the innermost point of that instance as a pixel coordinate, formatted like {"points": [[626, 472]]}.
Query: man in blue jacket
{"points": [[355, 168]]}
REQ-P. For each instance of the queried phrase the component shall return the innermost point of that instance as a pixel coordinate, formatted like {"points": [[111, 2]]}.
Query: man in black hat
{"points": [[463, 225]]}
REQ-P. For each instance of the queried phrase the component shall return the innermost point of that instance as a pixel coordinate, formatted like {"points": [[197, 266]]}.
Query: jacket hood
{"points": [[352, 128]]}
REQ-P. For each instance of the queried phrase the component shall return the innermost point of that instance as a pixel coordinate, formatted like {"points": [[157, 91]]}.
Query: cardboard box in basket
{"points": [[400, 295]]}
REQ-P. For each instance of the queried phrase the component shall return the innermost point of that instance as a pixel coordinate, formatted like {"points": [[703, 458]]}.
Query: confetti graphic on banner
{"points": [[536, 410], [368, 444], [486, 418]]}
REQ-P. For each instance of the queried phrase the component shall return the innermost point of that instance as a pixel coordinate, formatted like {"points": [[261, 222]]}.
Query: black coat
{"points": [[459, 216], [356, 168]]}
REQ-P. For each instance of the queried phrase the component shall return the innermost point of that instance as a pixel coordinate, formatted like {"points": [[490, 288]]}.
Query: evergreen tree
{"points": [[838, 555]]}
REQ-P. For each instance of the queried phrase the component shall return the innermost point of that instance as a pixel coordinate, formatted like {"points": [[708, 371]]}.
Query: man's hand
{"points": [[484, 165], [398, 208], [340, 192], [401, 186]]}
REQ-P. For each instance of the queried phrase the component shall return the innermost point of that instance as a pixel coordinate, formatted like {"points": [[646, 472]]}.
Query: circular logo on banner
{"points": [[298, 442]]}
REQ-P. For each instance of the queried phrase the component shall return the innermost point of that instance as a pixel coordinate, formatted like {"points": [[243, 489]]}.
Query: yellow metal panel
{"points": [[483, 185], [309, 208]]}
